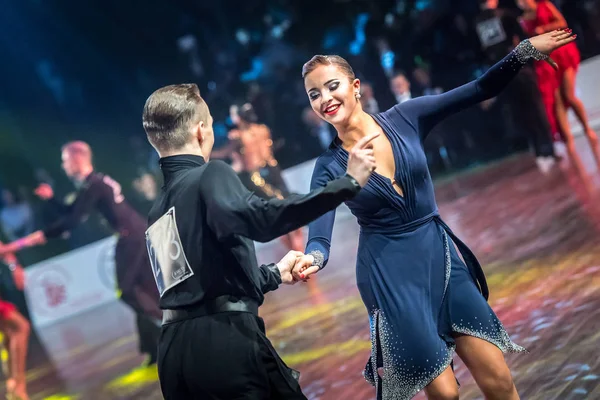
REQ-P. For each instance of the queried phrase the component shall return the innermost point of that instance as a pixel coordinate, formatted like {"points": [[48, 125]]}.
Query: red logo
{"points": [[56, 292], [47, 289]]}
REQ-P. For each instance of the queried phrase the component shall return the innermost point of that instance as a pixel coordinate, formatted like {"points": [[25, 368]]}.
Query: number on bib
{"points": [[491, 32], [169, 264]]}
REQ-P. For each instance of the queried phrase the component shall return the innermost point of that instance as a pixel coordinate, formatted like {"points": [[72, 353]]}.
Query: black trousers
{"points": [[224, 356], [523, 100], [138, 290]]}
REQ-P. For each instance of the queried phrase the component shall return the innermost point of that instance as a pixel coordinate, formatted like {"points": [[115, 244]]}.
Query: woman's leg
{"points": [[17, 330], [567, 98], [562, 121], [572, 101], [486, 363], [444, 387]]}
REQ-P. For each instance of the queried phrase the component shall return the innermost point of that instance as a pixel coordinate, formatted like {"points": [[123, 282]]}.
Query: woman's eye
{"points": [[334, 86]]}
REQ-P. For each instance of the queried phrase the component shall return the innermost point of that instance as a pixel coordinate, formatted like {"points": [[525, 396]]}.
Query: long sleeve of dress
{"points": [[321, 229], [83, 205], [427, 111], [232, 209]]}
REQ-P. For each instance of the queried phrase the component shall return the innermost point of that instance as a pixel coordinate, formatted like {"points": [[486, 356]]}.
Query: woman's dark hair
{"points": [[338, 61], [247, 114]]}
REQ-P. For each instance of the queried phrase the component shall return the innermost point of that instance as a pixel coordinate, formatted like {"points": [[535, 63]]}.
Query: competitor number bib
{"points": [[169, 264]]}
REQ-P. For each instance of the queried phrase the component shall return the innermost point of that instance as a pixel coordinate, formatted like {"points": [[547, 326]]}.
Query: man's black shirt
{"points": [[204, 221], [99, 193]]}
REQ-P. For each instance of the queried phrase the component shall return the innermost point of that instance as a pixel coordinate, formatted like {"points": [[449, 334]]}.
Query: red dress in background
{"points": [[6, 309], [565, 57]]}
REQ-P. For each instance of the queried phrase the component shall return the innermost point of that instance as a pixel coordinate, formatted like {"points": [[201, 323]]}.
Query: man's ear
{"points": [[199, 132]]}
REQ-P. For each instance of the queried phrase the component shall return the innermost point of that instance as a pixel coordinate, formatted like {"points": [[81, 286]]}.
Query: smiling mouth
{"points": [[332, 109]]}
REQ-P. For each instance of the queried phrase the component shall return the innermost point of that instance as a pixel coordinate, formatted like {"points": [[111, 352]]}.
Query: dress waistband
{"points": [[396, 229]]}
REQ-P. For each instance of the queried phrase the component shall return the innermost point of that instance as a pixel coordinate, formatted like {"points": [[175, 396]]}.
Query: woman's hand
{"points": [[305, 267], [548, 42]]}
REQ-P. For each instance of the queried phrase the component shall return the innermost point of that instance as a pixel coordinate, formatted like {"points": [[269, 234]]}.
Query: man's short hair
{"points": [[169, 113], [398, 73], [78, 147]]}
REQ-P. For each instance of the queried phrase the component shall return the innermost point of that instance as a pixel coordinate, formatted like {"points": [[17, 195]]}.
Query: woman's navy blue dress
{"points": [[417, 290]]}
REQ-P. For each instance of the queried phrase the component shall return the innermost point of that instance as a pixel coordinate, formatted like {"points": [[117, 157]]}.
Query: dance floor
{"points": [[536, 235]]}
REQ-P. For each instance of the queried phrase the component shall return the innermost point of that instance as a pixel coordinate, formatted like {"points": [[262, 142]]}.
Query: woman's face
{"points": [[332, 94]]}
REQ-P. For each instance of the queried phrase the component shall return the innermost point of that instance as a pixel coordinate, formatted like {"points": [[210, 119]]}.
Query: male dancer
{"points": [[213, 344], [499, 32], [101, 193]]}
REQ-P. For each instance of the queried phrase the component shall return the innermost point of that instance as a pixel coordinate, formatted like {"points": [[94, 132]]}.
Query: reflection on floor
{"points": [[535, 234]]}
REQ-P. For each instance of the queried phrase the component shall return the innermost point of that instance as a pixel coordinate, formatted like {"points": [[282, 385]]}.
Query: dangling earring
{"points": [[357, 95]]}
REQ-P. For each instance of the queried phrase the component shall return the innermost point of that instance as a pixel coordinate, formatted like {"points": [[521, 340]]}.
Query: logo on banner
{"points": [[49, 288], [169, 264]]}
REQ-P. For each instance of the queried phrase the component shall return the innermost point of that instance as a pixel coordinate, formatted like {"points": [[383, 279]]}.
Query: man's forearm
{"points": [[270, 277], [264, 221]]}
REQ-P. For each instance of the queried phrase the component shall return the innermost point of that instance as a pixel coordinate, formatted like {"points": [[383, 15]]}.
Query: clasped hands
{"points": [[296, 266]]}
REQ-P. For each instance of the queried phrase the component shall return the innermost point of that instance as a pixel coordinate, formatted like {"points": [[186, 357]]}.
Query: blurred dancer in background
{"points": [[98, 192], [558, 86], [253, 159], [15, 329]]}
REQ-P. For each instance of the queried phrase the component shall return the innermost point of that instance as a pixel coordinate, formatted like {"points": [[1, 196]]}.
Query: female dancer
{"points": [[15, 329], [423, 301], [256, 165], [557, 86]]}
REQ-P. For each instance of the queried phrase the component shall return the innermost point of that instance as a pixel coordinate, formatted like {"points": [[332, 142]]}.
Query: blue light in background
{"points": [[255, 72], [358, 43], [421, 5], [388, 60]]}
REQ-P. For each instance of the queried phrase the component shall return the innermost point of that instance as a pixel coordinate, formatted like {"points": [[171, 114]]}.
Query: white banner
{"points": [[71, 283]]}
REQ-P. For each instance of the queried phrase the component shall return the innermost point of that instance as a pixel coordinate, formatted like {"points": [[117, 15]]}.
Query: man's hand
{"points": [[286, 265], [45, 192], [34, 239], [305, 268], [361, 160]]}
